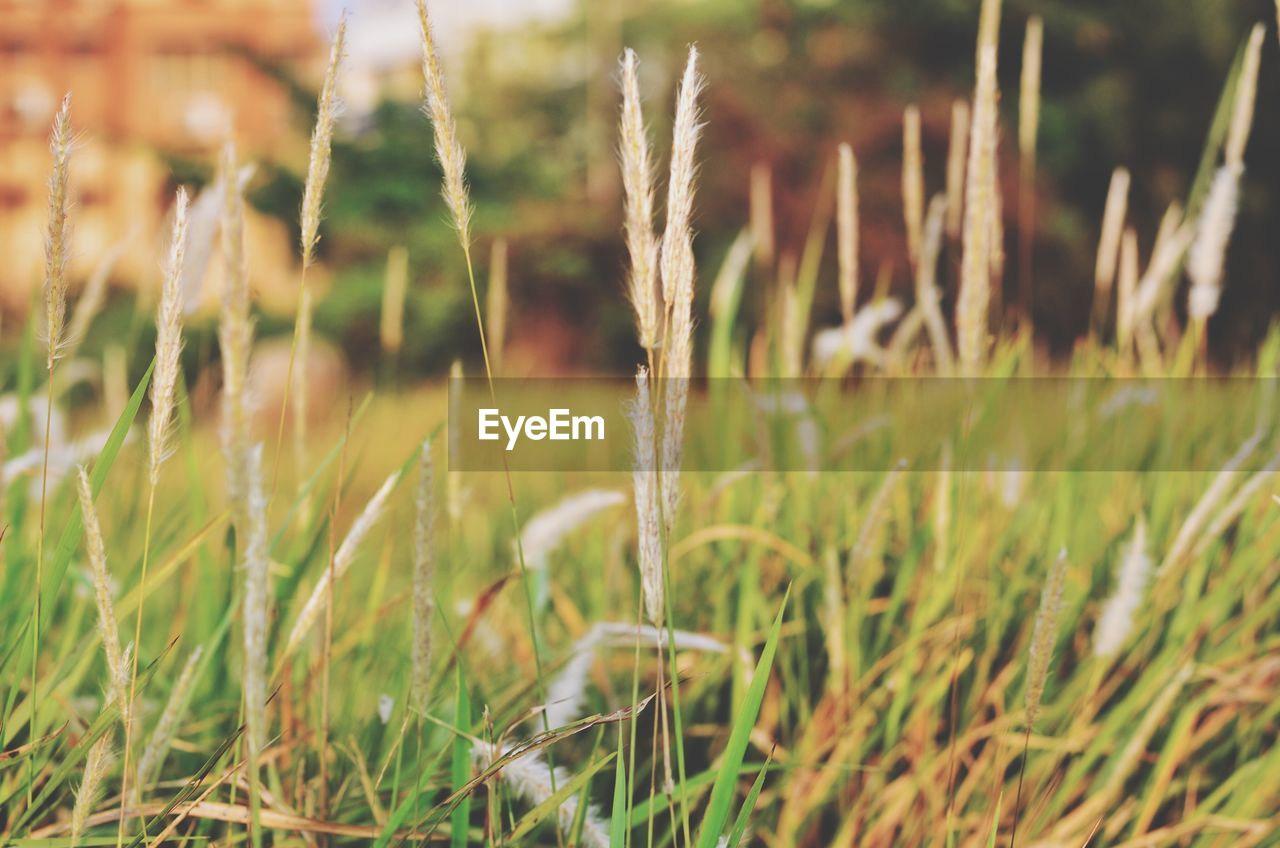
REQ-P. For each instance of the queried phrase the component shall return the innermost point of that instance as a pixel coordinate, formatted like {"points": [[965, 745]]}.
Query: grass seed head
{"points": [[327, 109]]}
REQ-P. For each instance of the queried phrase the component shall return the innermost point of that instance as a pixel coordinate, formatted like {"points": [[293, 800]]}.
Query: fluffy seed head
{"points": [[847, 229], [975, 277], [448, 149], [1043, 635], [1116, 622], [108, 627], [677, 239], [168, 340], [57, 244], [531, 780], [423, 576], [256, 609], [327, 109], [544, 532], [645, 484], [912, 181], [342, 560], [235, 338], [166, 730], [1113, 216], [956, 154], [96, 765], [1209, 250], [637, 181]]}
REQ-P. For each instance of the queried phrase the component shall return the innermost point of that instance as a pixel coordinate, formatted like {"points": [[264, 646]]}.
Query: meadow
{"points": [[222, 626]]}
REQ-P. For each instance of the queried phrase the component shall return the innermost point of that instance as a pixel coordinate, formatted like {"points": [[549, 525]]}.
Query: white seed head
{"points": [[645, 483], [1116, 622], [327, 110], [164, 381], [448, 149]]}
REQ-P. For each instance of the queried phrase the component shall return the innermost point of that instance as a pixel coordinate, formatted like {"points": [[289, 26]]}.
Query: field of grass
{"points": [[226, 633]]}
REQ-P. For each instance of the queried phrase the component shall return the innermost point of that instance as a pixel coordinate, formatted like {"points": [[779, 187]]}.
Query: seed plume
{"points": [[327, 110], [637, 181], [847, 230], [57, 240], [448, 149], [168, 341], [423, 576], [644, 480]]}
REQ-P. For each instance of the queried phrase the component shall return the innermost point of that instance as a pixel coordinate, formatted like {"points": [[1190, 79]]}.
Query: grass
{"points": [[905, 657]]}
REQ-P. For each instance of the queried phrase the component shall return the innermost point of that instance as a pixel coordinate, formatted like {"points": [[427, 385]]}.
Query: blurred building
{"points": [[147, 78]]}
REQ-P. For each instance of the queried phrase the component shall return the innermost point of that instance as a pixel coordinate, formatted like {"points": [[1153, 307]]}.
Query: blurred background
{"points": [[158, 84]]}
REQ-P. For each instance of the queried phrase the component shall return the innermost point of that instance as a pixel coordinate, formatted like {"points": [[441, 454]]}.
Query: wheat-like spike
{"points": [[423, 577], [327, 109], [1117, 619], [166, 729], [975, 278], [395, 286], [168, 341], [645, 480], [1043, 635], [58, 238], [996, 221], [637, 182], [957, 153], [256, 610], [927, 295], [96, 765], [1246, 94], [534, 782], [678, 273], [677, 238], [342, 560], [1209, 250], [108, 626], [1113, 216], [847, 230], [761, 202], [235, 338], [912, 181], [448, 149], [497, 304]]}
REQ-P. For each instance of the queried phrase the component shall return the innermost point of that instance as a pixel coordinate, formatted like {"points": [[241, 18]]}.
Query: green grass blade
{"points": [[460, 770], [722, 792]]}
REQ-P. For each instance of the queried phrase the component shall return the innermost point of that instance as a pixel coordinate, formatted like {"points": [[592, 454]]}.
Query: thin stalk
{"points": [[288, 382], [35, 630], [133, 671]]}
